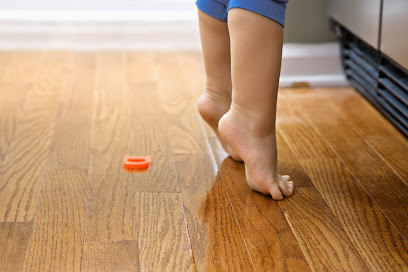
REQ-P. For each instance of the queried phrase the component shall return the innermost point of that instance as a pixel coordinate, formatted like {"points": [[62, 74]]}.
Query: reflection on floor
{"points": [[67, 119]]}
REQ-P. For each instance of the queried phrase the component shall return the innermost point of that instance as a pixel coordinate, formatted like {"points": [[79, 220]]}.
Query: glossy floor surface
{"points": [[68, 119]]}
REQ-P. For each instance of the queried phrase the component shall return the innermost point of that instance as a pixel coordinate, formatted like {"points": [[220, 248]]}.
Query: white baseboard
{"points": [[302, 64], [312, 64], [103, 35], [333, 80]]}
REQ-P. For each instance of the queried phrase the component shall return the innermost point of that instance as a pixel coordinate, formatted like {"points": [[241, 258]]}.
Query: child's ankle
{"points": [[258, 123]]}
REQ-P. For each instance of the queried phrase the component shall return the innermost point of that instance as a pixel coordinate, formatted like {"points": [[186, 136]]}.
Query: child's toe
{"points": [[287, 187], [276, 192]]}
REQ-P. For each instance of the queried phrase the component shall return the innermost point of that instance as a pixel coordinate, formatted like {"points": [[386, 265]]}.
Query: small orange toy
{"points": [[136, 162]]}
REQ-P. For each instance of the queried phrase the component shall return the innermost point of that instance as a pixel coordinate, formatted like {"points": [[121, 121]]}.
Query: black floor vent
{"points": [[361, 65], [393, 93], [376, 77]]}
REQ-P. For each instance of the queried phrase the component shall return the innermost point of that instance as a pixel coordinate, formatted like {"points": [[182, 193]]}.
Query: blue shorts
{"points": [[273, 9]]}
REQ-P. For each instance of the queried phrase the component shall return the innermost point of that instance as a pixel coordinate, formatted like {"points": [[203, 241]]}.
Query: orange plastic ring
{"points": [[136, 162]]}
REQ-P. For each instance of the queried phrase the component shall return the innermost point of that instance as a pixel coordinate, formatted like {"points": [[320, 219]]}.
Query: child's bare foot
{"points": [[250, 137], [212, 106]]}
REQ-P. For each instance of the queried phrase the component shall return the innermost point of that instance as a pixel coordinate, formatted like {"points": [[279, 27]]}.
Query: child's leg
{"points": [[216, 99], [249, 126]]}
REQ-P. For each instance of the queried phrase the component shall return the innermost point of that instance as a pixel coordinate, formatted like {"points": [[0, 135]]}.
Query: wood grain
{"points": [[110, 206], [14, 86], [14, 239], [57, 238], [148, 127], [141, 68], [20, 175], [110, 256], [162, 233], [269, 239], [300, 131], [288, 163], [59, 108], [370, 169], [161, 175], [215, 236], [372, 234], [184, 130], [143, 94], [331, 250], [5, 59], [70, 147], [207, 207], [24, 66], [248, 204], [376, 129], [327, 247]]}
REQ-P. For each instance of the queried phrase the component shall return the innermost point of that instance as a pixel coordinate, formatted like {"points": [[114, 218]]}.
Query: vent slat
{"points": [[395, 90], [391, 113], [380, 80]]}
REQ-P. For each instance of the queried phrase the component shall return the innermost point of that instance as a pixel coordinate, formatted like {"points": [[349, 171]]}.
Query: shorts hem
{"points": [[213, 9], [271, 9]]}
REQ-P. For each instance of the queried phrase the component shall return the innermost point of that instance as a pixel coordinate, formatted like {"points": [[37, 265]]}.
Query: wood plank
{"points": [[372, 234], [71, 142], [300, 131], [288, 163], [20, 175], [148, 128], [162, 233], [5, 59], [161, 175], [57, 238], [215, 236], [184, 130], [269, 239], [14, 86], [248, 204], [333, 248], [327, 247], [140, 67], [268, 236], [110, 205], [23, 67], [14, 239], [211, 220], [376, 129], [144, 101], [370, 169], [145, 109], [110, 256], [169, 76]]}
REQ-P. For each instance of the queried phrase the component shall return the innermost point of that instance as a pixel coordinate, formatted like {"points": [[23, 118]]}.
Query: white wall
{"points": [[306, 21], [97, 10], [96, 5]]}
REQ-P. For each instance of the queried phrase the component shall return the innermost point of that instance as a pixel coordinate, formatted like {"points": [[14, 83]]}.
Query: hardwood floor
{"points": [[67, 119]]}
